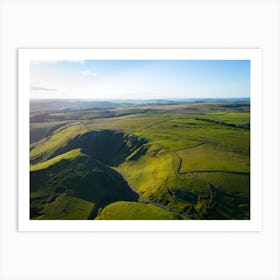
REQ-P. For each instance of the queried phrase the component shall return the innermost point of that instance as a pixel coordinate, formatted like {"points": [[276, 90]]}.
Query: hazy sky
{"points": [[140, 79]]}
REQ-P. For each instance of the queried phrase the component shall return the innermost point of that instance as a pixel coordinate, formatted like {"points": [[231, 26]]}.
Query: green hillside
{"points": [[191, 160], [134, 211], [66, 156], [45, 149], [74, 181]]}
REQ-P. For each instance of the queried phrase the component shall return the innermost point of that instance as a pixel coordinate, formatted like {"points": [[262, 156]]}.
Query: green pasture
{"points": [[151, 172], [127, 124], [228, 117], [227, 182], [66, 156], [186, 148], [123, 210], [44, 149], [66, 207], [40, 130], [179, 134], [207, 157]]}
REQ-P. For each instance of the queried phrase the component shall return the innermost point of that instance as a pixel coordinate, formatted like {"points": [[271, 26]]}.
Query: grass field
{"points": [[102, 163], [207, 157], [46, 148], [45, 164], [134, 211], [67, 208]]}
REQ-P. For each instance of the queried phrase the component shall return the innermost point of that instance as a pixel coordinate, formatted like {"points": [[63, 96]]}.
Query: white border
{"points": [[24, 58]]}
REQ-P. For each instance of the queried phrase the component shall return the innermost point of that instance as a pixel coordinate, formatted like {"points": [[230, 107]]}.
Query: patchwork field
{"points": [[207, 157], [173, 161]]}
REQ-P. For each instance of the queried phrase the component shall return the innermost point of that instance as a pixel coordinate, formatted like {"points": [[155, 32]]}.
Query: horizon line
{"points": [[142, 99]]}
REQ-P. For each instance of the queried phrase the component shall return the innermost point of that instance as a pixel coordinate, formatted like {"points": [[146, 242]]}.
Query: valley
{"points": [[140, 161]]}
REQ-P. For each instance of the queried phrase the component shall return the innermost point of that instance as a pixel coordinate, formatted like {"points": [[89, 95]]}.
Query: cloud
{"points": [[52, 61], [42, 88], [76, 61], [88, 73]]}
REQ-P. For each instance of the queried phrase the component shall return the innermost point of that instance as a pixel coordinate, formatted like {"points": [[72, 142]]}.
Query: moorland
{"points": [[153, 160]]}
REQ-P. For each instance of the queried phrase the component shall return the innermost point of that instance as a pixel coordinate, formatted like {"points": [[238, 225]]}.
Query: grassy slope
{"points": [[235, 118], [150, 173], [153, 172], [128, 124], [66, 207], [225, 182], [181, 133], [66, 156], [45, 148], [40, 130], [75, 182], [208, 157], [134, 211]]}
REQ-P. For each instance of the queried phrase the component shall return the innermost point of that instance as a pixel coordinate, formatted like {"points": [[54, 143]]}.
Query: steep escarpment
{"points": [[75, 188], [71, 174], [191, 161], [109, 146]]}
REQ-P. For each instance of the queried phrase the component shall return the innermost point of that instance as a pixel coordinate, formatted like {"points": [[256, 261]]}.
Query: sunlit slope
{"points": [[152, 172], [40, 130], [236, 118], [109, 146], [75, 186], [207, 157], [47, 147], [181, 133], [168, 157], [171, 131], [134, 211], [72, 154], [155, 176], [218, 155]]}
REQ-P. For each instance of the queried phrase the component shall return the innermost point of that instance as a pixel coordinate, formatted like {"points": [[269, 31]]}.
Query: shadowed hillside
{"points": [[65, 187], [109, 146], [181, 161]]}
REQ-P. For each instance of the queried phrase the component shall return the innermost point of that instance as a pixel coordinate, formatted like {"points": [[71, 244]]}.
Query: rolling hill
{"points": [[159, 161], [74, 186]]}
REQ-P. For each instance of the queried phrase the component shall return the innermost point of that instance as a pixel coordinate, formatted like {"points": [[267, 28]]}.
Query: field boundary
{"points": [[178, 169], [216, 171]]}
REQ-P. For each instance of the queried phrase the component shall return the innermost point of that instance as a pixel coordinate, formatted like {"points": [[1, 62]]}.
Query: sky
{"points": [[139, 79]]}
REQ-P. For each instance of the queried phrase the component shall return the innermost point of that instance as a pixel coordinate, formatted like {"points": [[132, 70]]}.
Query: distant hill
{"points": [[49, 105], [64, 105]]}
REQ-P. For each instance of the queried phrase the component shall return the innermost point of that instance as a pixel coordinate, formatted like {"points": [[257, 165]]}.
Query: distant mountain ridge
{"points": [[47, 105]]}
